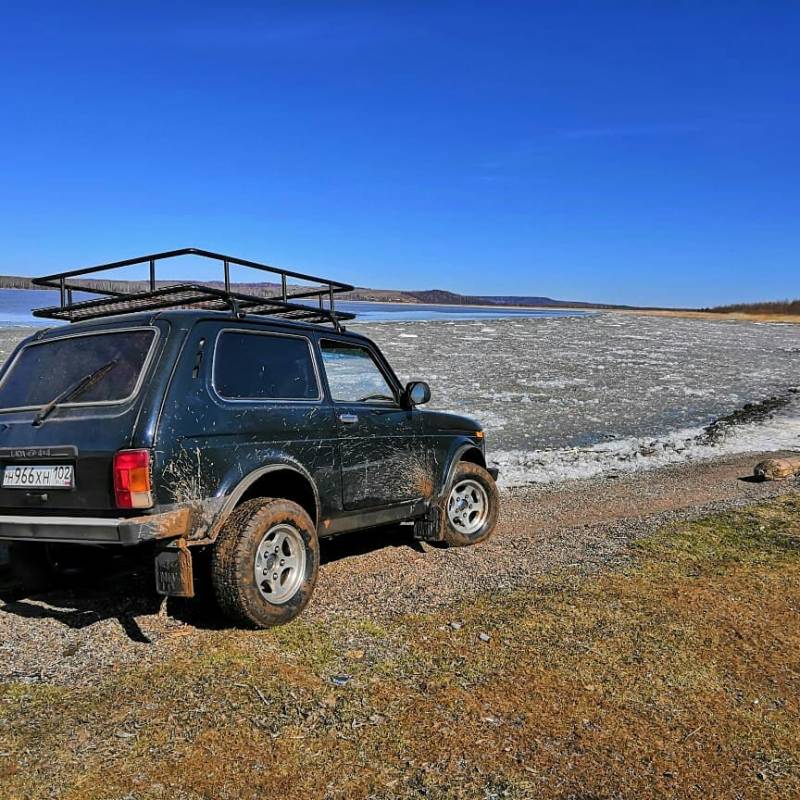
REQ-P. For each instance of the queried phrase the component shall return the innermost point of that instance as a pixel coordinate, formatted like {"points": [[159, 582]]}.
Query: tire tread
{"points": [[228, 563], [453, 537]]}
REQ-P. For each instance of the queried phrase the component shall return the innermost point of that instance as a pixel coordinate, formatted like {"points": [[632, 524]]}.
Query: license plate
{"points": [[29, 476]]}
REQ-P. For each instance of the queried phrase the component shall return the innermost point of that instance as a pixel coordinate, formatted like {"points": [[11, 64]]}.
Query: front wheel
{"points": [[471, 506], [264, 564]]}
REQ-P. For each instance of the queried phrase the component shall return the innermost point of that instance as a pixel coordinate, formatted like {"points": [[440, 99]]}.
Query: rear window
{"points": [[262, 366], [43, 370]]}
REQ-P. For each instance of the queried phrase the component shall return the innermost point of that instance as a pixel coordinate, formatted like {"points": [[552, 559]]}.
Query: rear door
{"points": [[380, 447], [61, 460]]}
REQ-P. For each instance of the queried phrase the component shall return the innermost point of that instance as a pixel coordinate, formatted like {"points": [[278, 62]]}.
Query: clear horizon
{"points": [[626, 154]]}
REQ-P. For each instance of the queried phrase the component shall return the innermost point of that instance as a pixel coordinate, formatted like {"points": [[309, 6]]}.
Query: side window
{"points": [[353, 375], [259, 366]]}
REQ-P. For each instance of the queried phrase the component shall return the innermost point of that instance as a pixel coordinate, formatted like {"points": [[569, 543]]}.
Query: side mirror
{"points": [[417, 393]]}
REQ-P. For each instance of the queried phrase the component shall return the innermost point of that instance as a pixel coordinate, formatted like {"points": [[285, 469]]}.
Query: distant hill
{"points": [[516, 300], [266, 289], [14, 282], [451, 298], [435, 296]]}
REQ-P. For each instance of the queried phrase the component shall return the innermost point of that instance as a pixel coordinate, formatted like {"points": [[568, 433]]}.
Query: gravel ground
{"points": [[76, 636]]}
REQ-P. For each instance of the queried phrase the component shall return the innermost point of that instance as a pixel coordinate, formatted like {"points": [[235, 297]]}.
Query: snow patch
{"points": [[520, 467]]}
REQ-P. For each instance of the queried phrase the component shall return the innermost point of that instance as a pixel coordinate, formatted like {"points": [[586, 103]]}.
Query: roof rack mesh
{"points": [[287, 301]]}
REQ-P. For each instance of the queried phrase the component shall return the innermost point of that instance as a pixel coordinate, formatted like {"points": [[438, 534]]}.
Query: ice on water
{"points": [[577, 396]]}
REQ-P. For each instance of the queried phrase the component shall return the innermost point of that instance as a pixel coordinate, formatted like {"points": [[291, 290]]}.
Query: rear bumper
{"points": [[95, 530]]}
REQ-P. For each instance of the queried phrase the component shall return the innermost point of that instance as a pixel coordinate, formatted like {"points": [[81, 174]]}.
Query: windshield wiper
{"points": [[75, 390]]}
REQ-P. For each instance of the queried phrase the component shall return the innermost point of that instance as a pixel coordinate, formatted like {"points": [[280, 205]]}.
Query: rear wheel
{"points": [[471, 506], [264, 564]]}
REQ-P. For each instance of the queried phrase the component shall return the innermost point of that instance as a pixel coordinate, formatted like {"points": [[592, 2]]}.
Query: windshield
{"points": [[43, 370]]}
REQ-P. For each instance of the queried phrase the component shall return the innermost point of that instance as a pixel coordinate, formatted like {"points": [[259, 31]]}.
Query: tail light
{"points": [[132, 487]]}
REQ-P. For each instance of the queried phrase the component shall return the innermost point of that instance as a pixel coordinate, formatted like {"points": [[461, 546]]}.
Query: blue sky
{"points": [[623, 152]]}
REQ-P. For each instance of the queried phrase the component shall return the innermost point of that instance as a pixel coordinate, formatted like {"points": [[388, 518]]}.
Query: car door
{"points": [[250, 397], [380, 447]]}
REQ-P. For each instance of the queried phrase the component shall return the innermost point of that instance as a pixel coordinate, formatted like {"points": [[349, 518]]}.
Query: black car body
{"points": [[197, 412], [353, 464]]}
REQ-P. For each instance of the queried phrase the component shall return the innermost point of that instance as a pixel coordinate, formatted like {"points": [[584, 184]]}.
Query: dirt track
{"points": [[76, 635]]}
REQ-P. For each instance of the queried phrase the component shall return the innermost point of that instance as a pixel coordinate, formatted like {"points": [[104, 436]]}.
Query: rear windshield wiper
{"points": [[75, 390]]}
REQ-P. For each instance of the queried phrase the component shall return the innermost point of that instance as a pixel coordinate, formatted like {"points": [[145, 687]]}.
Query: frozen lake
{"points": [[577, 396]]}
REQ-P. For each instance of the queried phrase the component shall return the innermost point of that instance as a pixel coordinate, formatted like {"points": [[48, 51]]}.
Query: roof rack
{"points": [[160, 295]]}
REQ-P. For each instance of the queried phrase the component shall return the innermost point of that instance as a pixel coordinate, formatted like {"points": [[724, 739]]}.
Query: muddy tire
{"points": [[264, 564], [469, 509], [31, 566]]}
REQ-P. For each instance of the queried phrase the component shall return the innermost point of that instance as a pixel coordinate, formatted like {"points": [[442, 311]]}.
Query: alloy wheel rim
{"points": [[280, 563], [467, 506]]}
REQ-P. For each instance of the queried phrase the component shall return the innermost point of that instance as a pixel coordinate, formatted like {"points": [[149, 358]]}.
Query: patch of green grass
{"points": [[762, 534], [311, 644], [372, 628]]}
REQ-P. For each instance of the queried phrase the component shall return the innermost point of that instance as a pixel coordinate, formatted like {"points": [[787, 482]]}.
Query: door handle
{"points": [[348, 419]]}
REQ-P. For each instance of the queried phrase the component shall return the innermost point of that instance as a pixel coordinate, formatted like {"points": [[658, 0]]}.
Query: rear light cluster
{"points": [[132, 487]]}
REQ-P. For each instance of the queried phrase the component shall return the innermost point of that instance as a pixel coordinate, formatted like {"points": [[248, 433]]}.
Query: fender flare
{"points": [[232, 499], [457, 456]]}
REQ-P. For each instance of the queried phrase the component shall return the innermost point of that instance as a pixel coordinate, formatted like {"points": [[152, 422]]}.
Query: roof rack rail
{"points": [[160, 295]]}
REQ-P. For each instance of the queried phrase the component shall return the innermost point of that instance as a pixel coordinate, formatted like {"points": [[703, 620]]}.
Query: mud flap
{"points": [[427, 528], [173, 565]]}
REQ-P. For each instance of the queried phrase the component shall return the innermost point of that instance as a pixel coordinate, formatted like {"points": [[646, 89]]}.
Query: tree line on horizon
{"points": [[764, 307]]}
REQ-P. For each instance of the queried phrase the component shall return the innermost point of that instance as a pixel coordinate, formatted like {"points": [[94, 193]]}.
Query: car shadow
{"points": [[122, 594], [124, 589], [750, 479], [359, 543], [76, 618]]}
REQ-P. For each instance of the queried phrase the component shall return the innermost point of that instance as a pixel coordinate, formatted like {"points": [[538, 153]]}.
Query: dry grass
{"points": [[677, 676], [732, 316]]}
